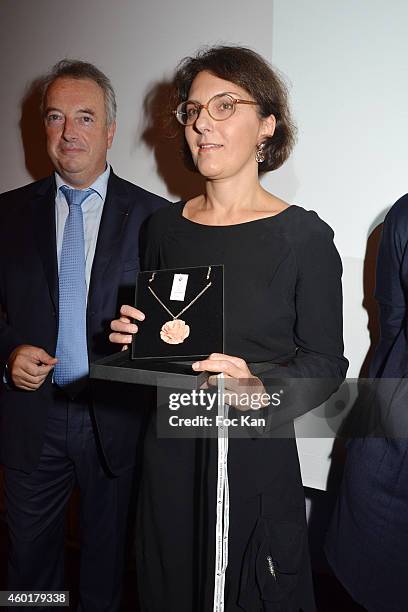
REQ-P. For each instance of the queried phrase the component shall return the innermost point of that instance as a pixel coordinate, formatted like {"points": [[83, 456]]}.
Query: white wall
{"points": [[346, 60], [347, 63]]}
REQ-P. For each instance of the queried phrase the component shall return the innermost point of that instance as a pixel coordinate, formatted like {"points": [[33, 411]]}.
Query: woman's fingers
{"points": [[238, 361], [118, 338], [227, 364], [218, 365], [131, 312], [213, 381], [124, 326]]}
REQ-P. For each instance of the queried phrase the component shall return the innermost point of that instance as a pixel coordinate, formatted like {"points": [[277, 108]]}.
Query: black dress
{"points": [[282, 281]]}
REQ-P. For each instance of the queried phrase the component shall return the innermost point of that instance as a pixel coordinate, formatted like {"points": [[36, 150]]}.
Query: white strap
{"points": [[222, 523]]}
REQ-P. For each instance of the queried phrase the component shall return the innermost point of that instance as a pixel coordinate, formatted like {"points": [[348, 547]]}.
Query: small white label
{"points": [[178, 290]]}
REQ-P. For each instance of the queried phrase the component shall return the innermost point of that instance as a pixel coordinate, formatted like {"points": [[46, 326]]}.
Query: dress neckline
{"points": [[183, 218]]}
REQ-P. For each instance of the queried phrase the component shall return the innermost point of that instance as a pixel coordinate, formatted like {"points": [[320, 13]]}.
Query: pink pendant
{"points": [[174, 332]]}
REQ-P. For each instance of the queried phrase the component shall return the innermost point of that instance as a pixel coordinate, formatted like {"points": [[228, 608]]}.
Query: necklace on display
{"points": [[177, 330]]}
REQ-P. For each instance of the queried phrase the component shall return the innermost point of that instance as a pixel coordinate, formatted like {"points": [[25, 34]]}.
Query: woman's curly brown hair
{"points": [[250, 71]]}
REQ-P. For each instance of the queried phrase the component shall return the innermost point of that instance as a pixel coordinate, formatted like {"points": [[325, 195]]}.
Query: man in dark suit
{"points": [[68, 254], [367, 540]]}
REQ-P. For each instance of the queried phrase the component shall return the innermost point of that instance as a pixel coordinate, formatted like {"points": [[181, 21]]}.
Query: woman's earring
{"points": [[260, 154]]}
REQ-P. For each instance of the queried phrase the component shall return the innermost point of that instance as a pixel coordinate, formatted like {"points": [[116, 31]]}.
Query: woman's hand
{"points": [[123, 327], [239, 383]]}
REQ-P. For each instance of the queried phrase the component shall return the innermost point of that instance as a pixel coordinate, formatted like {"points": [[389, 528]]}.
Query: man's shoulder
{"points": [[399, 210], [14, 202], [26, 192], [30, 188]]}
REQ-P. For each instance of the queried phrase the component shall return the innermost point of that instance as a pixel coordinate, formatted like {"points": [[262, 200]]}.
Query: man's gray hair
{"points": [[76, 69]]}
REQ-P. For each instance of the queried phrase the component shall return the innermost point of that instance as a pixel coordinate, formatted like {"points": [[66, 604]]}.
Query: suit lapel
{"points": [[43, 210], [113, 222]]}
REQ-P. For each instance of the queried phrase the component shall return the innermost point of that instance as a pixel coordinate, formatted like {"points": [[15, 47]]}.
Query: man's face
{"points": [[78, 136]]}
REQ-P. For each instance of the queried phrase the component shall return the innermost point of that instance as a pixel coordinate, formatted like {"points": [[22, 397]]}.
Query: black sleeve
{"points": [[9, 339], [318, 331], [389, 291]]}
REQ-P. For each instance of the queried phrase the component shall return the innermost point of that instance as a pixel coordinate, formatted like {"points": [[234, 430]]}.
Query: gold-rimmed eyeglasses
{"points": [[219, 107]]}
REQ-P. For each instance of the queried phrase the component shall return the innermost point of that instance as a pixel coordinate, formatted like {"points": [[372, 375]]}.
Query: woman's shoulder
{"points": [[302, 223], [164, 217], [312, 241]]}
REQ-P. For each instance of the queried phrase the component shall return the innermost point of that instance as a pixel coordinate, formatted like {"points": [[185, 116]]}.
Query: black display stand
{"points": [[120, 368], [151, 361]]}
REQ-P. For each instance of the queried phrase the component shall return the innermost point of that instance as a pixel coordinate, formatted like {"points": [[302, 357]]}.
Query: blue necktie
{"points": [[72, 350]]}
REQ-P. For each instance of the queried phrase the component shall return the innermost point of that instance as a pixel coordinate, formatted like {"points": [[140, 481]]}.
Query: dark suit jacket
{"points": [[29, 301], [367, 541]]}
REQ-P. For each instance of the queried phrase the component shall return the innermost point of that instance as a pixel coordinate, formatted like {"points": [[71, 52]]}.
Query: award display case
{"points": [[184, 322]]}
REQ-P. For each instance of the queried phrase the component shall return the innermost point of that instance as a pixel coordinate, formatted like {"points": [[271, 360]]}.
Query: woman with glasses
{"points": [[282, 287]]}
